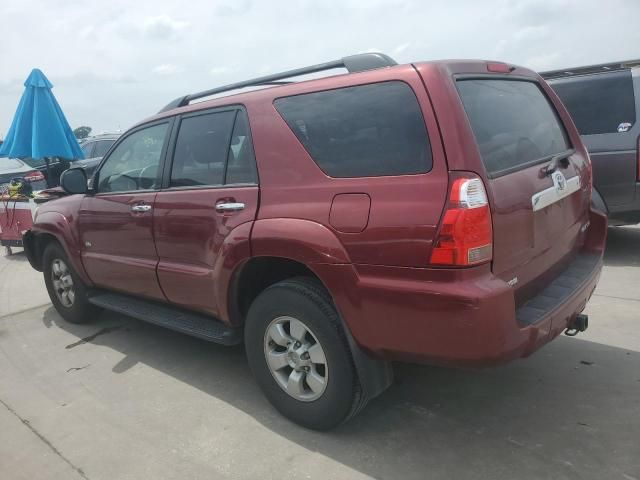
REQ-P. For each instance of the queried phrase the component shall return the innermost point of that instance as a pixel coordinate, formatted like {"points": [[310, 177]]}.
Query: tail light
{"points": [[466, 236], [33, 176]]}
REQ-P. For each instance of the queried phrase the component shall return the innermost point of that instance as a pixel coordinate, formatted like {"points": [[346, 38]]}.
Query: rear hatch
{"points": [[538, 180]]}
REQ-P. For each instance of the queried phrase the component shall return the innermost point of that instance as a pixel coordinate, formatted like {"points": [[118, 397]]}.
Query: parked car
{"points": [[436, 212], [603, 101], [56, 167], [94, 149], [13, 168]]}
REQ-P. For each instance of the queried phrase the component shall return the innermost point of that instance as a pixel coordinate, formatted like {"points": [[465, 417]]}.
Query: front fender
{"points": [[58, 225], [305, 241]]}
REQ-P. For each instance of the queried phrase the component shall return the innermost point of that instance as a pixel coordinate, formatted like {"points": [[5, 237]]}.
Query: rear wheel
{"points": [[66, 290], [299, 355]]}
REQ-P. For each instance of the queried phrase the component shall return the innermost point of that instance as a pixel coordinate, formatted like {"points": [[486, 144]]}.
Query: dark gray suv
{"points": [[94, 148], [603, 102]]}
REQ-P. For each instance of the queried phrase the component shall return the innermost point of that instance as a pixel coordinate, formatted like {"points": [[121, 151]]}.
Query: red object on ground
{"points": [[16, 217]]}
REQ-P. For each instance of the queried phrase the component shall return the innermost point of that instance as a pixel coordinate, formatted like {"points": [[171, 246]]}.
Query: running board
{"points": [[194, 324]]}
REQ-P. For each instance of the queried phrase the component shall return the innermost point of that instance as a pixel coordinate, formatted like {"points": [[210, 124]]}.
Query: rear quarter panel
{"points": [[405, 210]]}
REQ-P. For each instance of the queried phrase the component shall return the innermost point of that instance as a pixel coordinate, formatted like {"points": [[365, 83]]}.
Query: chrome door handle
{"points": [[229, 206], [140, 208]]}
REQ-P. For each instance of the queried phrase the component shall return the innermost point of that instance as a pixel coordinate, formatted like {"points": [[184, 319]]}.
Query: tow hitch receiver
{"points": [[579, 324]]}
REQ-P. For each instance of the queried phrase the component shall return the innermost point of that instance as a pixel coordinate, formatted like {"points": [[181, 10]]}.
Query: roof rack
{"points": [[599, 68], [353, 63]]}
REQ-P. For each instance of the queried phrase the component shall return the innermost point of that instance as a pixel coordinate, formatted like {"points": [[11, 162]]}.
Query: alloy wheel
{"points": [[296, 359], [62, 282]]}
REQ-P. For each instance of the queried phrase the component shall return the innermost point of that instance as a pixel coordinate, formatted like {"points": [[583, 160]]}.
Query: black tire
{"points": [[80, 311], [306, 300]]}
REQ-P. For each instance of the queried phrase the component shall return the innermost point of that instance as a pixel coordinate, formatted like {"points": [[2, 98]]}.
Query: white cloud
{"points": [[216, 71], [401, 48], [163, 26], [116, 63], [166, 69]]}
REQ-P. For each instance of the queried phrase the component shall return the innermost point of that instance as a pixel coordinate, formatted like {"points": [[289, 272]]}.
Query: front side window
{"points": [[133, 165], [600, 103], [513, 121], [362, 131]]}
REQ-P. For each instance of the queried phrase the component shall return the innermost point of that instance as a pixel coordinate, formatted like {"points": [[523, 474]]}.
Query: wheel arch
{"points": [[54, 226], [258, 273]]}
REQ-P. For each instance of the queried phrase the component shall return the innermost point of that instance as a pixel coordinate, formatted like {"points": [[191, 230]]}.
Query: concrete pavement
{"points": [[121, 399]]}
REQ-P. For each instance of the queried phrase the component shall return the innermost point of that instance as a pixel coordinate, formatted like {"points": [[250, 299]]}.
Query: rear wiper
{"points": [[560, 160]]}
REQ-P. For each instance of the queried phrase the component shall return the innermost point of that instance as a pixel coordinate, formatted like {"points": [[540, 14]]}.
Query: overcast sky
{"points": [[116, 62]]}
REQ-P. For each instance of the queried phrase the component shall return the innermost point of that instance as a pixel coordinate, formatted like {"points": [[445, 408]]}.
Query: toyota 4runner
{"points": [[436, 212]]}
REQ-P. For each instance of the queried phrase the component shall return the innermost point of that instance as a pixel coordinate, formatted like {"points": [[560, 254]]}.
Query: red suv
{"points": [[436, 212]]}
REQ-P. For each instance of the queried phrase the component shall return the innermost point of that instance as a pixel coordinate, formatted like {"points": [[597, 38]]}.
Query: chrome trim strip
{"points": [[555, 193]]}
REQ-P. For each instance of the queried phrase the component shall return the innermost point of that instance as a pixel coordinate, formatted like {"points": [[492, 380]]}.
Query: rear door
{"points": [[116, 223], [102, 147], [210, 188], [538, 215], [603, 107]]}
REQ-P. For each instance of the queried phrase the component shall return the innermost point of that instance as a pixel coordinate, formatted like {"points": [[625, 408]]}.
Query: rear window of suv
{"points": [[513, 122], [362, 131], [599, 103]]}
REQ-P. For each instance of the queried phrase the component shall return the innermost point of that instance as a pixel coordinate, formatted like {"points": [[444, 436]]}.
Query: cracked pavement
{"points": [[120, 399]]}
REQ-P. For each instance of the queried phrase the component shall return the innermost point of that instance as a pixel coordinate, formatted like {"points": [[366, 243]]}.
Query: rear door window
{"points": [[514, 123], [102, 147], [201, 149], [87, 149], [362, 131], [241, 167], [599, 103]]}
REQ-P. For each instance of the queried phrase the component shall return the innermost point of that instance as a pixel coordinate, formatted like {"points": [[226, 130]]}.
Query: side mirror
{"points": [[74, 180]]}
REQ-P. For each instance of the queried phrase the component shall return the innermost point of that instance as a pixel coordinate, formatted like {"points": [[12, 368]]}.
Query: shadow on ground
{"points": [[18, 255], [623, 247], [570, 411]]}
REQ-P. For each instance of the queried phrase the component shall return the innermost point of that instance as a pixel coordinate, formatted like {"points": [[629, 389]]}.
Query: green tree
{"points": [[82, 132]]}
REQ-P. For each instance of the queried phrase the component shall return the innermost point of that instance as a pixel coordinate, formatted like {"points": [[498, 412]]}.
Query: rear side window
{"points": [[513, 121], [600, 103], [363, 131]]}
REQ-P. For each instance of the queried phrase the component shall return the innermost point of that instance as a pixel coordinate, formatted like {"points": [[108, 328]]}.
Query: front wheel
{"points": [[299, 354], [66, 290]]}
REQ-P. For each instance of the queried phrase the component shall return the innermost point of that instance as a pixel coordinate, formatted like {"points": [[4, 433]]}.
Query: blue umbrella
{"points": [[39, 128]]}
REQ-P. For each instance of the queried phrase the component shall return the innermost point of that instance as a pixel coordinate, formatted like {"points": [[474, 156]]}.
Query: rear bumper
{"points": [[461, 317]]}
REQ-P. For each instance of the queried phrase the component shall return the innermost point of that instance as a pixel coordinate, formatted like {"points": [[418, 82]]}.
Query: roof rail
{"points": [[353, 63], [598, 68]]}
